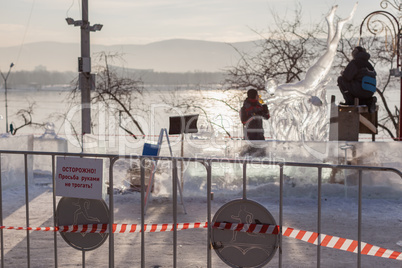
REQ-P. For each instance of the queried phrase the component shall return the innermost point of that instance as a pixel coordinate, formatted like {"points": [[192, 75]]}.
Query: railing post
{"points": [[110, 192], [174, 187], [27, 209], [245, 180], [142, 165], [83, 258], [209, 231], [280, 212], [319, 218], [359, 222], [1, 218], [54, 210]]}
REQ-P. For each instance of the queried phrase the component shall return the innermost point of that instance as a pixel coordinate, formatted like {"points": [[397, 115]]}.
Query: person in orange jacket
{"points": [[251, 114]]}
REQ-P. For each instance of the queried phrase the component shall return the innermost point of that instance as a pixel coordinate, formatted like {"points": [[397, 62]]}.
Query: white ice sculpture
{"points": [[299, 110]]}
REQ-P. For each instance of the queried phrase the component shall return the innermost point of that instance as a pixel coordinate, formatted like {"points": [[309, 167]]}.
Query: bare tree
{"points": [[119, 94], [208, 121], [24, 119], [287, 52], [282, 54]]}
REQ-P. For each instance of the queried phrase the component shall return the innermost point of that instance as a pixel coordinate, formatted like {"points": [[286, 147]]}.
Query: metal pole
{"points": [[83, 258], [397, 31], [359, 219], [209, 189], [85, 76], [1, 219], [319, 218], [5, 93], [182, 161], [142, 169], [111, 209], [400, 115], [27, 209], [344, 173], [175, 181], [400, 81], [244, 180], [280, 212], [54, 210]]}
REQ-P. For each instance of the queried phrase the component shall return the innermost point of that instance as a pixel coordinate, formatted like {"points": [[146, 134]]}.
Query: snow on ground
{"points": [[382, 217], [382, 222]]}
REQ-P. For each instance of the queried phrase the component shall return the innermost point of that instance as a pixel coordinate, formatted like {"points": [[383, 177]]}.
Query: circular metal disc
{"points": [[240, 249], [78, 211]]}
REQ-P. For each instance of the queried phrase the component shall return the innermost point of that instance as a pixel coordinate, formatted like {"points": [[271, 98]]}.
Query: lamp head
{"points": [[70, 21], [96, 27]]}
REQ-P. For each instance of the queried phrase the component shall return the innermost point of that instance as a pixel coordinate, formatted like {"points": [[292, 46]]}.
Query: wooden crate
{"points": [[348, 121]]}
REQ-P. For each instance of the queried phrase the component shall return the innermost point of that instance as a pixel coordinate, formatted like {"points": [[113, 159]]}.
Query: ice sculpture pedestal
{"points": [[348, 121]]}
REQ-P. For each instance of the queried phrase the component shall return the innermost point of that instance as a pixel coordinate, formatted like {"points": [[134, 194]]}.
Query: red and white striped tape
{"points": [[46, 229], [350, 245], [247, 228], [306, 236], [117, 228], [313, 238]]}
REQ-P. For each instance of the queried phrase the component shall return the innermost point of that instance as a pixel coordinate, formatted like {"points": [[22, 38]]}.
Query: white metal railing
{"points": [[174, 160]]}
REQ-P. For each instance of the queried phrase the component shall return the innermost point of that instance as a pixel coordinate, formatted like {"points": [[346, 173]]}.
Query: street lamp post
{"points": [[5, 92], [396, 34], [86, 80]]}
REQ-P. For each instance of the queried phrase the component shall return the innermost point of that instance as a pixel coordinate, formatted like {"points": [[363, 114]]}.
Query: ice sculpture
{"points": [[299, 110]]}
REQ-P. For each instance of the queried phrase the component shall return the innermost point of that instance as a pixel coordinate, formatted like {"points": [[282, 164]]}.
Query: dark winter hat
{"points": [[357, 50], [252, 93]]}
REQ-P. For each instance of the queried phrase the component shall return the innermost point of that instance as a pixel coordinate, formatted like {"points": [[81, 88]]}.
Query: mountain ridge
{"points": [[172, 55]]}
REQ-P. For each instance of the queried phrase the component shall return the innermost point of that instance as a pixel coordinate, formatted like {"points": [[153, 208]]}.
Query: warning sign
{"points": [[79, 177]]}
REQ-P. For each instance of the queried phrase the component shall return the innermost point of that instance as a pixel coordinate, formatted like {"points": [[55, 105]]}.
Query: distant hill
{"points": [[177, 55]]}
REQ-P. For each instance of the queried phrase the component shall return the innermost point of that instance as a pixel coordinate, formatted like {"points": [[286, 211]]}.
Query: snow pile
{"points": [[47, 142], [12, 165]]}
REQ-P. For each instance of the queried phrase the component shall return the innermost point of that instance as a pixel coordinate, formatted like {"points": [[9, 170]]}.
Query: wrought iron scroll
{"points": [[383, 22], [395, 4]]}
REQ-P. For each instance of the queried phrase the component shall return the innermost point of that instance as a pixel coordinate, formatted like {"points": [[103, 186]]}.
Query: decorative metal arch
{"points": [[396, 4], [390, 27]]}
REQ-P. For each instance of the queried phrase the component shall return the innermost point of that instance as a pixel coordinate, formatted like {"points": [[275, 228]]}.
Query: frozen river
{"points": [[53, 103]]}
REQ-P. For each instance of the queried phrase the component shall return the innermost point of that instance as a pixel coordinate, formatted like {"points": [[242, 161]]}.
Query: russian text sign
{"points": [[79, 177]]}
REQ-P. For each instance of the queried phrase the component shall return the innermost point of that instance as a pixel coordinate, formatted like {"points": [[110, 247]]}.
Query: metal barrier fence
{"points": [[174, 160]]}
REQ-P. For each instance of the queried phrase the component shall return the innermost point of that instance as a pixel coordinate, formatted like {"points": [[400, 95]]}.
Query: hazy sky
{"points": [[145, 21]]}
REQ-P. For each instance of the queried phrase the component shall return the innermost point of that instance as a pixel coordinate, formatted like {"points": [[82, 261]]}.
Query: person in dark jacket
{"points": [[251, 115], [350, 82]]}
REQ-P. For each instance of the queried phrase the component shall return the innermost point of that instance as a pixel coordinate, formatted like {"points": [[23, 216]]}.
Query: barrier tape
{"points": [[328, 241], [117, 228], [306, 236]]}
